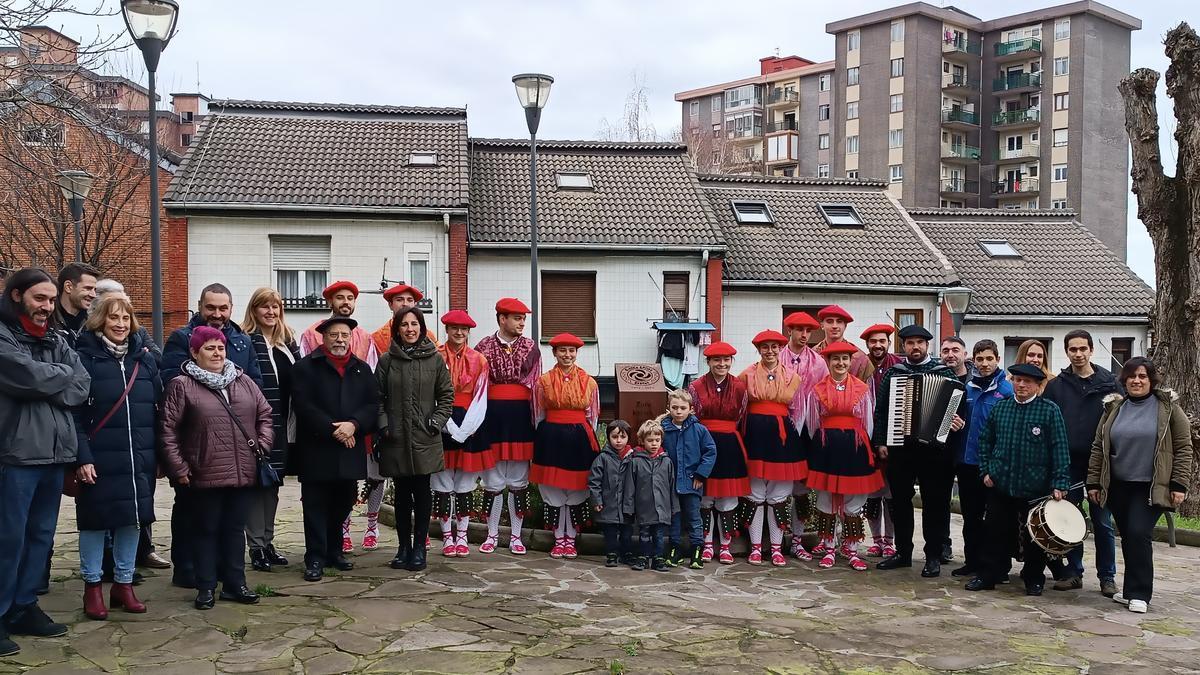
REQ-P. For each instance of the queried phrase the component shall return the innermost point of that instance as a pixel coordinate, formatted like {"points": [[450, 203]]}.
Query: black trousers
{"points": [[326, 504], [933, 470], [183, 566], [414, 502], [219, 535], [1136, 517], [1005, 521], [972, 501]]}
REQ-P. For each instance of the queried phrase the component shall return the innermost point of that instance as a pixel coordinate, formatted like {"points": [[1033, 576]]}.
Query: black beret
{"points": [[915, 331], [324, 325], [1027, 370]]}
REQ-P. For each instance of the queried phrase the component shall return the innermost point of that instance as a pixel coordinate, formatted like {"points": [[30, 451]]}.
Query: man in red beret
{"points": [[798, 357], [398, 297], [514, 365], [834, 320], [878, 509]]}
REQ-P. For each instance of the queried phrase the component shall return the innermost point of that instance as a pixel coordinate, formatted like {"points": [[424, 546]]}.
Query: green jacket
{"points": [[902, 369], [1023, 448], [1172, 453], [415, 398]]}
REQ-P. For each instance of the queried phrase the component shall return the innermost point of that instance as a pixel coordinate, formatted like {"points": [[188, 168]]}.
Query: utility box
{"points": [[641, 393]]}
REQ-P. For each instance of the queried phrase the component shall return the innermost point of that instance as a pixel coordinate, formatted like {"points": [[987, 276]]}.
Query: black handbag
{"points": [[268, 477]]}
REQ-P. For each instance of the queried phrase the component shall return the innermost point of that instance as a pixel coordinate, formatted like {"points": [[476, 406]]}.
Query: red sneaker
{"points": [[858, 563], [488, 545], [725, 557], [875, 551], [461, 549], [706, 554], [347, 545], [370, 542], [449, 550], [558, 550], [516, 546], [777, 558], [569, 548], [828, 561], [755, 557]]}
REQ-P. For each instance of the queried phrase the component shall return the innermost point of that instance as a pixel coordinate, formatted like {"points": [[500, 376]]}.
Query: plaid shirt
{"points": [[1023, 448]]}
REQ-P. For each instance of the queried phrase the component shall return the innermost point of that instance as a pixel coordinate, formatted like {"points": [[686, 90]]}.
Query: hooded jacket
{"points": [[1082, 403], [238, 348], [1172, 453], [41, 379], [693, 452], [416, 398], [981, 402], [648, 494], [605, 486]]}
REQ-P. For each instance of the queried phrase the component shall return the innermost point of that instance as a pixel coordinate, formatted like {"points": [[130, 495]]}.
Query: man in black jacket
{"points": [[77, 291], [336, 400], [1079, 391]]}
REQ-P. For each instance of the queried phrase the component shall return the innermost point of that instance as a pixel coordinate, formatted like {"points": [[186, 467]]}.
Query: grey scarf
{"points": [[214, 381], [117, 350]]}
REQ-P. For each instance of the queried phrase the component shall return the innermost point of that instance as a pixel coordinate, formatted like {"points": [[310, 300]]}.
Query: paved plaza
{"points": [[501, 613]]}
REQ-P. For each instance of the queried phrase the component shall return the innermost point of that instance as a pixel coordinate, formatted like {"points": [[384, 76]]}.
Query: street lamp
{"points": [[533, 90], [75, 185], [151, 23], [957, 299]]}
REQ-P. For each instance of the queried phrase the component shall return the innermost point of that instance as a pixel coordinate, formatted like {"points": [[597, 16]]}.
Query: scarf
{"points": [[117, 350], [214, 381], [983, 382], [32, 328], [338, 362]]}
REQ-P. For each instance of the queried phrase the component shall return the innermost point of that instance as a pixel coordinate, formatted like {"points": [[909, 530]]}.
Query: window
{"points": [[1031, 204], [1062, 65], [574, 180], [823, 142], [852, 145], [569, 303], [1062, 101], [675, 296], [897, 102], [898, 67], [716, 130], [422, 159], [716, 158], [998, 248], [1035, 101], [851, 76], [1122, 351], [897, 31], [908, 317], [185, 140], [822, 112], [1034, 136], [852, 110], [189, 116], [1060, 173], [716, 103], [1060, 137], [896, 172], [418, 271], [896, 138], [1062, 28], [840, 214], [1058, 204], [752, 212], [852, 41], [823, 82], [301, 266], [42, 134], [822, 171], [745, 95], [1033, 170], [853, 173], [694, 109]]}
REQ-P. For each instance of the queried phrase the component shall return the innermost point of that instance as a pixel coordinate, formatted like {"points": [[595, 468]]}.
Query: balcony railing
{"points": [[961, 44], [756, 132], [1017, 81], [961, 186], [1004, 153], [959, 82], [1014, 186], [783, 96], [960, 151], [310, 302], [960, 115], [1017, 46], [783, 125], [1002, 118]]}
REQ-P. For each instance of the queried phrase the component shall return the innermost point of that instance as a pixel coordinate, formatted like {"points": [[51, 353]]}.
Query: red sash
{"points": [[726, 427], [463, 399], [771, 409], [576, 417], [508, 392], [849, 423]]}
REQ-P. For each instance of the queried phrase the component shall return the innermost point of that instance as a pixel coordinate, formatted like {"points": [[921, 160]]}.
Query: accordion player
{"points": [[920, 408]]}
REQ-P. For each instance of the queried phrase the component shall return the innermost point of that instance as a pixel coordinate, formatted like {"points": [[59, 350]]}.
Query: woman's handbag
{"points": [[71, 485], [268, 477]]}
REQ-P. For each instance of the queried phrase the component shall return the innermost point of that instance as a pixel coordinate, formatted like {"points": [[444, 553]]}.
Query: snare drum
{"points": [[1056, 526]]}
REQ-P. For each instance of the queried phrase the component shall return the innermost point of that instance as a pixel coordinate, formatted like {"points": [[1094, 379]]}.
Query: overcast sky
{"points": [[464, 53]]}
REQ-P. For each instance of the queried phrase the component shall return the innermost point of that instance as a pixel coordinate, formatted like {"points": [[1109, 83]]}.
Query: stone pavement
{"points": [[501, 613]]}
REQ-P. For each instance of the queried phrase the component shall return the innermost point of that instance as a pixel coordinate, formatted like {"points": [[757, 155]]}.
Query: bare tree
{"points": [[635, 124], [713, 153], [1169, 206]]}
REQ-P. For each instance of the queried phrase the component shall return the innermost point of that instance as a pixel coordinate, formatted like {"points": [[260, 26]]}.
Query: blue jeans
{"points": [[29, 500], [618, 538], [689, 512], [1102, 532], [124, 551], [652, 539]]}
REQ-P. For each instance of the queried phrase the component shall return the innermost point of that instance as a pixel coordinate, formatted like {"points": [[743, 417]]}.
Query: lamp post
{"points": [[957, 299], [151, 23], [533, 90], [75, 185]]}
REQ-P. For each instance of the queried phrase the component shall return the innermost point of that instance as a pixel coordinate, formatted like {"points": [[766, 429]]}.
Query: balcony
{"points": [[959, 187], [781, 126], [960, 84], [959, 118], [783, 97], [1016, 50], [1017, 83], [1032, 151], [961, 46], [959, 153], [1015, 187], [1017, 119], [744, 134]]}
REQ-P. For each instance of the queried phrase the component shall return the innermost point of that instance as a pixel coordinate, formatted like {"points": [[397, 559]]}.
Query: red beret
{"points": [[835, 310], [511, 306], [403, 288], [339, 286], [839, 347], [769, 336], [878, 328], [457, 317], [565, 340], [719, 349], [800, 320]]}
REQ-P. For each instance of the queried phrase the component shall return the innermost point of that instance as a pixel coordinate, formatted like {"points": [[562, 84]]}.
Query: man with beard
{"points": [[797, 357], [398, 297], [77, 290], [878, 509]]}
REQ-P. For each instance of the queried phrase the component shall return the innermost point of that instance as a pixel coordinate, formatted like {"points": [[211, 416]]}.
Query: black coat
{"points": [[277, 388], [321, 397], [1082, 403], [123, 450]]}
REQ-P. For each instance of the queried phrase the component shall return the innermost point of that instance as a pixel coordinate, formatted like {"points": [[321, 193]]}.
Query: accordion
{"points": [[920, 408]]}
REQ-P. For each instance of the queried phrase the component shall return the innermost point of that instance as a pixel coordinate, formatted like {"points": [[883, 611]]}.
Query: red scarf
{"points": [[338, 362], [32, 328]]}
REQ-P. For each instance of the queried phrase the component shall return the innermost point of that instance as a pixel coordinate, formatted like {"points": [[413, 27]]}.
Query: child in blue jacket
{"points": [[693, 451]]}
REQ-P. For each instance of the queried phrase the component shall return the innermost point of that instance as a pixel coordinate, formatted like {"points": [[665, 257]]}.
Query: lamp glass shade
{"points": [[533, 89], [957, 299], [74, 184], [150, 19]]}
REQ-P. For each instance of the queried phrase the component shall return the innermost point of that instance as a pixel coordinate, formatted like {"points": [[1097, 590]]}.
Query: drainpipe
{"points": [[704, 285], [937, 323], [445, 295]]}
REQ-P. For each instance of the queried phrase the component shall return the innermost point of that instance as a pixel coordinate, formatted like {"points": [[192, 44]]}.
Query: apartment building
{"points": [[952, 110]]}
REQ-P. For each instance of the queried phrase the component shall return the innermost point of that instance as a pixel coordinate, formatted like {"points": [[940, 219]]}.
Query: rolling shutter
{"points": [[299, 253], [569, 304], [675, 295]]}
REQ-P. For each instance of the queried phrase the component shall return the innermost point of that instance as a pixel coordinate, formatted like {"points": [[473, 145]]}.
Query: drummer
{"points": [[1023, 457]]}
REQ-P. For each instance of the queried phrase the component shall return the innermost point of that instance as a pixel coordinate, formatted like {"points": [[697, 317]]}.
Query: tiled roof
{"points": [[993, 213], [800, 247], [792, 180], [345, 160], [299, 106], [1064, 270], [644, 194]]}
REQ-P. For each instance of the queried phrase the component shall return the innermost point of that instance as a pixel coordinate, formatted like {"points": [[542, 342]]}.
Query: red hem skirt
{"points": [[473, 455], [562, 456], [730, 477], [771, 456], [507, 431], [839, 463]]}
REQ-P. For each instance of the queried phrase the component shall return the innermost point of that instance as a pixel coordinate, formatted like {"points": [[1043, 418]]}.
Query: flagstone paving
{"points": [[501, 613]]}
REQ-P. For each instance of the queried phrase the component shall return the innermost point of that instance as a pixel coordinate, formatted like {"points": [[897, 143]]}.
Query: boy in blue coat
{"points": [[693, 452]]}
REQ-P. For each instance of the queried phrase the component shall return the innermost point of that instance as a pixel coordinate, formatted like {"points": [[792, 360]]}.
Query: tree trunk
{"points": [[1169, 207]]}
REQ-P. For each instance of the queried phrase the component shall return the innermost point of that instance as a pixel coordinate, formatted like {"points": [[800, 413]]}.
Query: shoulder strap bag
{"points": [[268, 477]]}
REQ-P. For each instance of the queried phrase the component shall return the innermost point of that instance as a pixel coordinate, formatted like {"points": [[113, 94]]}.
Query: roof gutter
{"points": [[502, 245], [828, 286], [325, 208], [1055, 318]]}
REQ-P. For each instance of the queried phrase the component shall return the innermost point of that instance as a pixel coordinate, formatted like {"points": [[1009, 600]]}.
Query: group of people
{"points": [[797, 440]]}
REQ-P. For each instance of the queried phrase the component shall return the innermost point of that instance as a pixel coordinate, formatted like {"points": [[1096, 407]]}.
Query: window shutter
{"points": [[568, 304], [300, 253], [675, 295]]}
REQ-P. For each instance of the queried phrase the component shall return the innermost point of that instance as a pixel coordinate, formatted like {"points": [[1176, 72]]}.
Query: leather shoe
{"points": [[416, 560], [400, 562], [314, 572], [205, 600], [258, 560], [964, 571], [1033, 589], [947, 554], [341, 564], [894, 562], [240, 594], [932, 568], [979, 584], [274, 558], [155, 562]]}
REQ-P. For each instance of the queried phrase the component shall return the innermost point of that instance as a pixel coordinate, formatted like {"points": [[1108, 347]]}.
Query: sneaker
{"points": [[7, 647], [639, 564], [517, 547], [660, 565], [828, 561], [1108, 588], [698, 559], [1119, 598], [707, 554], [725, 557], [755, 557], [777, 558], [558, 550], [449, 549], [1069, 584], [370, 542], [875, 551], [672, 559], [858, 564], [569, 548], [31, 620], [628, 559], [1138, 606], [488, 545], [461, 547], [799, 552], [347, 545], [612, 560]]}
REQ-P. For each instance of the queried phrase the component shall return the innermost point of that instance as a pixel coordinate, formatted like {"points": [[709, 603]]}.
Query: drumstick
{"points": [[1042, 499]]}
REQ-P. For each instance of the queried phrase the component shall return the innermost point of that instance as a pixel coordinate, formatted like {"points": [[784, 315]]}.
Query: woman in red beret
{"points": [[568, 405], [841, 464]]}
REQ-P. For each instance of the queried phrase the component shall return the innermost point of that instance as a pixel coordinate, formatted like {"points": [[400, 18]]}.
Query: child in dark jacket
{"points": [[694, 454], [649, 495], [605, 482]]}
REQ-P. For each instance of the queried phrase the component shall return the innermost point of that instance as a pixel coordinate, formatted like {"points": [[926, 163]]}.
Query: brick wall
{"points": [[713, 305], [458, 265]]}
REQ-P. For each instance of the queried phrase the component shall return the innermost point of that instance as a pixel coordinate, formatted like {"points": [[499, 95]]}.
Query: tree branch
{"points": [[1155, 191]]}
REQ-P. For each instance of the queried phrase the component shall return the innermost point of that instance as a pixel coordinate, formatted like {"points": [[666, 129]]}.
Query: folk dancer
{"points": [[397, 298], [803, 360], [879, 359]]}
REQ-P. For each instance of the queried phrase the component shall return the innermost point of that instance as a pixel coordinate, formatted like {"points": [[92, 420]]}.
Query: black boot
{"points": [[31, 620], [258, 560], [7, 646], [240, 594], [205, 599], [273, 556], [400, 562], [416, 559], [314, 571]]}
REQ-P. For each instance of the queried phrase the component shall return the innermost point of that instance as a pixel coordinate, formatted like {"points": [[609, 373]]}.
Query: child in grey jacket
{"points": [[605, 483], [649, 495]]}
